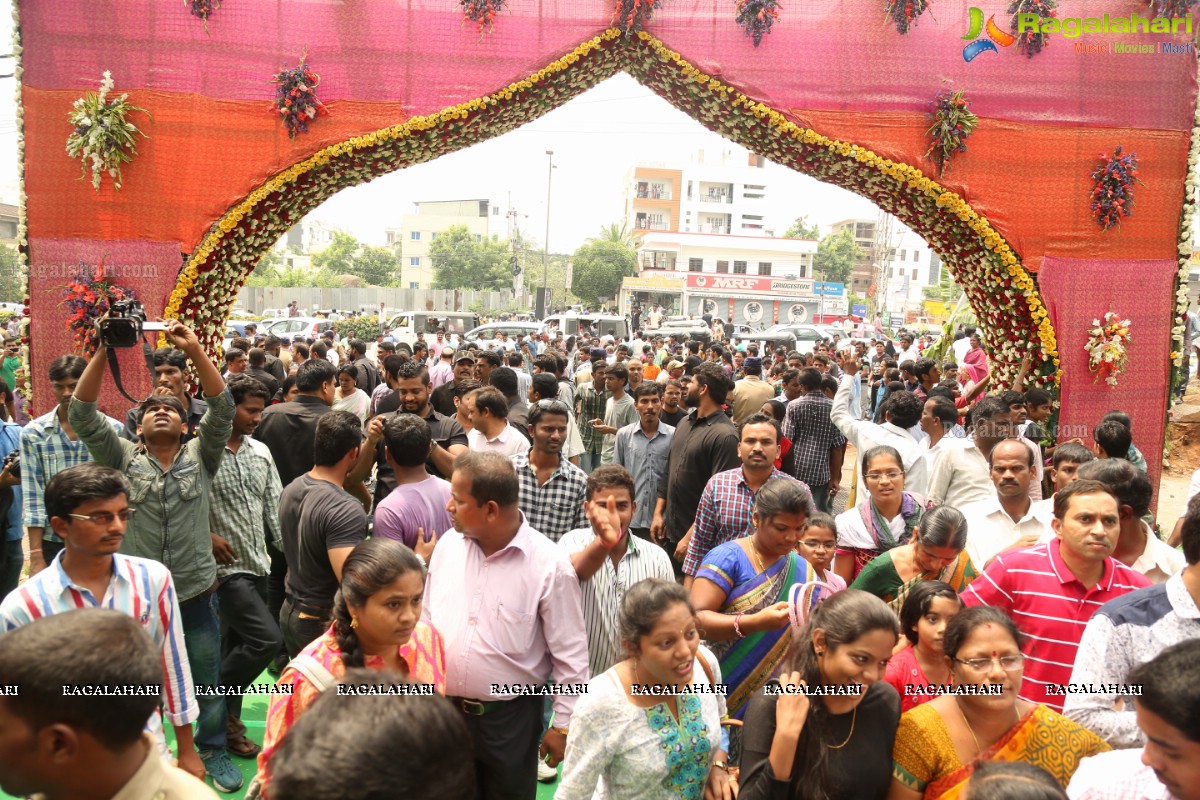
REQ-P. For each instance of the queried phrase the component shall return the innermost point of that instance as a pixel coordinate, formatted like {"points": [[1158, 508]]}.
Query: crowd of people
{"points": [[467, 566]]}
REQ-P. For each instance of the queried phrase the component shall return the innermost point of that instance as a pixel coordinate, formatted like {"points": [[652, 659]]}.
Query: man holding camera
{"points": [[170, 485], [170, 366]]}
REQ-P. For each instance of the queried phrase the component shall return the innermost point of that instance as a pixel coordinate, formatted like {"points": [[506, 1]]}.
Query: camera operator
{"points": [[170, 484]]}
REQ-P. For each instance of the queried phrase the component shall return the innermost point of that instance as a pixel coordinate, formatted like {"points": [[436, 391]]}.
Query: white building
{"points": [[911, 266], [719, 193], [431, 219]]}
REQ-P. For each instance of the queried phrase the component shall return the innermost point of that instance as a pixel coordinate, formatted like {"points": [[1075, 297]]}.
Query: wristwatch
{"points": [[721, 765]]}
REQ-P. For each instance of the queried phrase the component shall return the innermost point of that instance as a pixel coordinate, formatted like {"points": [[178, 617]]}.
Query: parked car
{"points": [[804, 337], [598, 324], [405, 325], [687, 329], [485, 335], [292, 327], [274, 312]]}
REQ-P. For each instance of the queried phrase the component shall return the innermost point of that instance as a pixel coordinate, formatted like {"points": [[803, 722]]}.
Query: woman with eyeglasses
{"points": [[940, 743], [741, 590], [936, 553], [886, 518]]}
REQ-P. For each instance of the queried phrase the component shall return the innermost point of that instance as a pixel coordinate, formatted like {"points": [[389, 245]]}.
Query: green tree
{"points": [[599, 266], [377, 266], [10, 275], [339, 256], [802, 230], [460, 262], [616, 232], [836, 256], [945, 289]]}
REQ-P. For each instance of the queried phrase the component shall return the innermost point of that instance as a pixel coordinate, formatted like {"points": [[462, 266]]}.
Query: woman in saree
{"points": [[936, 553], [887, 517], [975, 362], [741, 591], [348, 397], [939, 743]]}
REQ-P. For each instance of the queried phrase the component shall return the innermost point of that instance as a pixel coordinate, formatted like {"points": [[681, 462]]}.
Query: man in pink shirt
{"points": [[507, 602], [1051, 590]]}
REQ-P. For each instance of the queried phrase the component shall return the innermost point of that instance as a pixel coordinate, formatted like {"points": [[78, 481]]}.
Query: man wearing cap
{"points": [[750, 392], [463, 366], [673, 371], [443, 371]]}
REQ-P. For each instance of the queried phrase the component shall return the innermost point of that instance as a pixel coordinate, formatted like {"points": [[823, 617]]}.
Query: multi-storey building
{"points": [[429, 220]]}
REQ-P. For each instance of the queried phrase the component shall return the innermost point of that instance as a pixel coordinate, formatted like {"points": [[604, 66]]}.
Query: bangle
{"points": [[31, 552], [737, 625]]}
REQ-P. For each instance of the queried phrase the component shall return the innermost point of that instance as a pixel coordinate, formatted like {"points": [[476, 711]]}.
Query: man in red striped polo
{"points": [[1052, 589]]}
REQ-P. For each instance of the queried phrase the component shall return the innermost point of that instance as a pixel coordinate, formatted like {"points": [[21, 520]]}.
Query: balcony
{"points": [[661, 261], [648, 225], [716, 198], [653, 194]]}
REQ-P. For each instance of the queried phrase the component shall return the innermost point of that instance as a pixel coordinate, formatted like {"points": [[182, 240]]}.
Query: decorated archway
{"points": [[828, 92]]}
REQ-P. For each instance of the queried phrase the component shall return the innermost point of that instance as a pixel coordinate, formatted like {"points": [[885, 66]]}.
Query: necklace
{"points": [[853, 719], [971, 730], [757, 560]]}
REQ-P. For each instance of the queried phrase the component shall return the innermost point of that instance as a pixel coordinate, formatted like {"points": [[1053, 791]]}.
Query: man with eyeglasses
{"points": [[87, 505], [1051, 590], [171, 485]]}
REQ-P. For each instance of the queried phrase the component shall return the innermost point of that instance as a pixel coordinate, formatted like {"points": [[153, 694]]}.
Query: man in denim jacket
{"points": [[170, 486]]}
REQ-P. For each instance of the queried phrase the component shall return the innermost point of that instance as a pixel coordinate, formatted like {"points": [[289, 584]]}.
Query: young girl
{"points": [[926, 612], [817, 545]]}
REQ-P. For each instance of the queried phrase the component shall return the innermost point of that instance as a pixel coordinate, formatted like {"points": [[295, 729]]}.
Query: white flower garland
{"points": [[1108, 347], [1182, 301], [26, 383]]}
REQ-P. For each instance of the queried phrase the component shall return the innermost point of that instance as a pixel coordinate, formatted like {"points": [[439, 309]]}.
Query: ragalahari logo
{"points": [[995, 36]]}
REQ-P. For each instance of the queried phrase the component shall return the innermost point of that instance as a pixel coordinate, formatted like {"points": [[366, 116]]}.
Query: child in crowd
{"points": [[1068, 458], [817, 546], [1132, 455], [922, 663]]}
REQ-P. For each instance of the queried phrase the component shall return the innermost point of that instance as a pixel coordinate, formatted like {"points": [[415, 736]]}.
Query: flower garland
{"points": [[1003, 294], [633, 15], [481, 12], [102, 136], [953, 122], [23, 376], [905, 12], [296, 97], [1112, 197], [1108, 347], [203, 9], [87, 296], [1031, 42], [756, 17], [1182, 299]]}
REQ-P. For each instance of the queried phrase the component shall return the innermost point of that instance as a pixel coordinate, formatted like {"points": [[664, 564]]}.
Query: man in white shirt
{"points": [[904, 411], [1008, 519], [490, 432], [1168, 767], [908, 351], [960, 473], [1138, 547]]}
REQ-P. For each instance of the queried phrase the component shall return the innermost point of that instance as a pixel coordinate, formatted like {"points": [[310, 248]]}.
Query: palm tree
{"points": [[614, 232]]}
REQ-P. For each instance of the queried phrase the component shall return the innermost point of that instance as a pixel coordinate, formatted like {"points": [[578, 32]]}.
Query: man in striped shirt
{"points": [[1051, 590], [88, 507]]}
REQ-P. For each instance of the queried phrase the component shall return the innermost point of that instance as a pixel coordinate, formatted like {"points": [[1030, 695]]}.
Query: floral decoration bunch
{"points": [[1031, 42], [102, 135], [203, 9], [905, 12], [296, 97], [953, 122], [87, 296], [481, 12], [1172, 8], [1108, 347], [1112, 197], [633, 15], [756, 17]]}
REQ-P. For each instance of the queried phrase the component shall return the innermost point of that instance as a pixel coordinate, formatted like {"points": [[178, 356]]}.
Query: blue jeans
{"points": [[14, 559], [589, 461], [202, 636]]}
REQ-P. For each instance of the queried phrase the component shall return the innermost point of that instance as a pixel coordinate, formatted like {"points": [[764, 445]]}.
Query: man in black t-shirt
{"points": [[320, 523]]}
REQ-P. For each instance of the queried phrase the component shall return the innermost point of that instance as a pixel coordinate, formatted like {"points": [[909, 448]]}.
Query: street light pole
{"points": [[546, 245]]}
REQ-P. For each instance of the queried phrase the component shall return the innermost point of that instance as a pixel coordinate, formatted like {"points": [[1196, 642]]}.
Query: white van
{"points": [[596, 324], [405, 325]]}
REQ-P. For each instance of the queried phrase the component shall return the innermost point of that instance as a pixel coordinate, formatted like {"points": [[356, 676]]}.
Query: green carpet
{"points": [[254, 714]]}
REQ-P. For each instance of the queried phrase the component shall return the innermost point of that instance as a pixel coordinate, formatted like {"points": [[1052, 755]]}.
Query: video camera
{"points": [[126, 324]]}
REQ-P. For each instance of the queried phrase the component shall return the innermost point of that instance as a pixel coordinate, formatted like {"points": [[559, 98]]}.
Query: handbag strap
{"points": [[314, 671]]}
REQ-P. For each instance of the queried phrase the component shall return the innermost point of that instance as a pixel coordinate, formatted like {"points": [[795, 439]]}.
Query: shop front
{"points": [[650, 289], [761, 302]]}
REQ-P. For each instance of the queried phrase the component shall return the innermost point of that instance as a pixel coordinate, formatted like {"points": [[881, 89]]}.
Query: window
{"points": [[695, 264], [902, 254], [764, 268], [433, 235], [414, 285], [478, 238], [914, 274], [722, 266], [414, 261], [916, 256], [739, 268], [416, 236]]}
